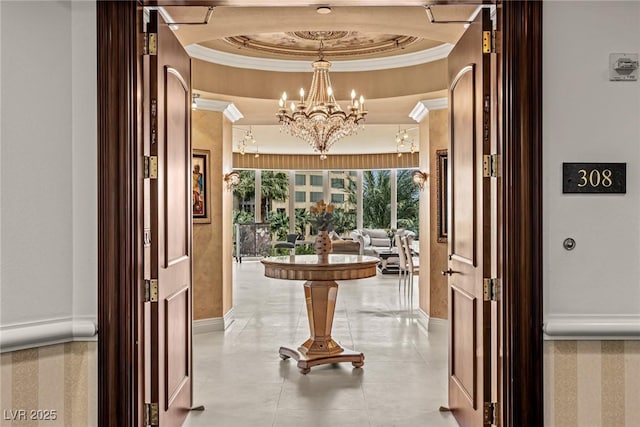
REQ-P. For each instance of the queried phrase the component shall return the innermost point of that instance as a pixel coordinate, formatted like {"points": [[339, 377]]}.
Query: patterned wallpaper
{"points": [[592, 383], [50, 386], [338, 162]]}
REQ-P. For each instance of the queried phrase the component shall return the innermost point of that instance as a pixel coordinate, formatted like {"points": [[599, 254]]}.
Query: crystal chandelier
{"points": [[318, 119], [248, 138], [402, 137]]}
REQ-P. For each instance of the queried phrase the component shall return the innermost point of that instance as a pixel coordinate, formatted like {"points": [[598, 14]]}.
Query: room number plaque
{"points": [[594, 178]]}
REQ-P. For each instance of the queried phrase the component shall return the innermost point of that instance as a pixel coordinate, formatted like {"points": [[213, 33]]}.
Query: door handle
{"points": [[448, 272]]}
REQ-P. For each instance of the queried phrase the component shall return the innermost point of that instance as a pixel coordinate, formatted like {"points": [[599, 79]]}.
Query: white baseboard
{"points": [[228, 318], [423, 318], [213, 324], [25, 335]]}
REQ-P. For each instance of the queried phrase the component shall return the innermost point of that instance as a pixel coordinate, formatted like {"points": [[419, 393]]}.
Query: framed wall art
{"points": [[442, 196], [200, 203]]}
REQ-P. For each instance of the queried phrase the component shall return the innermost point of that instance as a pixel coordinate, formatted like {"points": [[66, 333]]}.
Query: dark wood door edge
{"points": [[118, 255], [522, 188]]}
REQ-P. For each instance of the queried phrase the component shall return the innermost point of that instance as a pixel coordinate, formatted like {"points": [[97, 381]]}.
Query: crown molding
{"points": [[423, 107], [265, 64], [229, 110]]}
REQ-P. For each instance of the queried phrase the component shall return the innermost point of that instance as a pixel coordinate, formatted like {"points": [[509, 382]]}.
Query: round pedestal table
{"points": [[321, 291]]}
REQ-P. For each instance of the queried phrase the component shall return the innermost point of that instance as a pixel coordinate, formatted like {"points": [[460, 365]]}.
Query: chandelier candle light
{"points": [[318, 119]]}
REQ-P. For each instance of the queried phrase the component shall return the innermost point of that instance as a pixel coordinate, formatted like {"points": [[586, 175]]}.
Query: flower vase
{"points": [[322, 245]]}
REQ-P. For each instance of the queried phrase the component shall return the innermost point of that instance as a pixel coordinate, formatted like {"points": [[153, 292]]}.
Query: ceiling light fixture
{"points": [[248, 138], [319, 120], [323, 10], [403, 138]]}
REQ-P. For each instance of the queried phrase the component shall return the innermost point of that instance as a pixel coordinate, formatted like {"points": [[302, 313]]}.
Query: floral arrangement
{"points": [[391, 232], [322, 216]]}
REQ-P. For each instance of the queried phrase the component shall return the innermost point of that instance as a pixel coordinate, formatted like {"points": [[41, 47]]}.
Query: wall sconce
{"points": [[232, 179], [194, 104], [420, 179]]}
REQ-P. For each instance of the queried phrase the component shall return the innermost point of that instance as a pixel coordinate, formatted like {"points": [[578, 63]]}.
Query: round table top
{"points": [[307, 267]]}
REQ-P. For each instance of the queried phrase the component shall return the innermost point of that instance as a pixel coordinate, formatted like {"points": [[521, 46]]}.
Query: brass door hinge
{"points": [[490, 414], [489, 40], [490, 289], [490, 165], [151, 290], [151, 416], [151, 167], [150, 43], [486, 41]]}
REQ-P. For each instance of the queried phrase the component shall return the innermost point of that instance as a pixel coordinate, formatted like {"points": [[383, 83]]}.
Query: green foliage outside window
{"points": [[274, 188]]}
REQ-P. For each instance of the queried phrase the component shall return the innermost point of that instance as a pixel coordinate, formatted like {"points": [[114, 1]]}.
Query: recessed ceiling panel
{"points": [[336, 44]]}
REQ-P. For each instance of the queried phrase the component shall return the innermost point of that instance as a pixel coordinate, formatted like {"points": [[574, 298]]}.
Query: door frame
{"points": [[120, 231]]}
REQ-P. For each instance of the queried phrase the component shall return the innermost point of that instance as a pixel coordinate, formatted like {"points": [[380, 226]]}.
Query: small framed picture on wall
{"points": [[442, 196], [200, 186]]}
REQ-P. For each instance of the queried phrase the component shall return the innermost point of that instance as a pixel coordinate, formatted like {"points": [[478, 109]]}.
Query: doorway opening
{"points": [[519, 123]]}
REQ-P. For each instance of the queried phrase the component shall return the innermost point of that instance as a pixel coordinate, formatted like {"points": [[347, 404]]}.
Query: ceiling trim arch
{"points": [[265, 64]]}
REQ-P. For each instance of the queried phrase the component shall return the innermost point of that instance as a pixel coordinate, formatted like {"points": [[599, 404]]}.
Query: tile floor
{"points": [[241, 381]]}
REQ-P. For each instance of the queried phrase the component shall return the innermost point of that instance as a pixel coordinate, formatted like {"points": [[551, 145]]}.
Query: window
{"points": [[316, 196], [301, 180], [408, 201], [344, 199], [301, 196], [316, 180], [244, 202], [376, 195], [337, 183]]}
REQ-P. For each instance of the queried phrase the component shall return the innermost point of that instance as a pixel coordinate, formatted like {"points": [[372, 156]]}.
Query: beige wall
{"points": [[378, 84], [438, 140], [212, 242], [433, 286], [60, 378], [592, 383], [225, 259], [424, 218]]}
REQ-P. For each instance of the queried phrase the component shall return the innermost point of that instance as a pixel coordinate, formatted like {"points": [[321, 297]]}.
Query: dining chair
{"points": [[413, 262], [402, 262], [289, 244]]}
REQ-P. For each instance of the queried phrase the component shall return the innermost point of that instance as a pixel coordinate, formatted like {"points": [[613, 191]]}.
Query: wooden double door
{"points": [[167, 220], [473, 316], [473, 277]]}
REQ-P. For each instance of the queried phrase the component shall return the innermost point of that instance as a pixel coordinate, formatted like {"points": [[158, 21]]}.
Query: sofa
{"points": [[375, 239], [344, 246]]}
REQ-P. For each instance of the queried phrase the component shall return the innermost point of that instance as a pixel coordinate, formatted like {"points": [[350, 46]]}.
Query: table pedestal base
{"points": [[320, 348], [306, 361]]}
